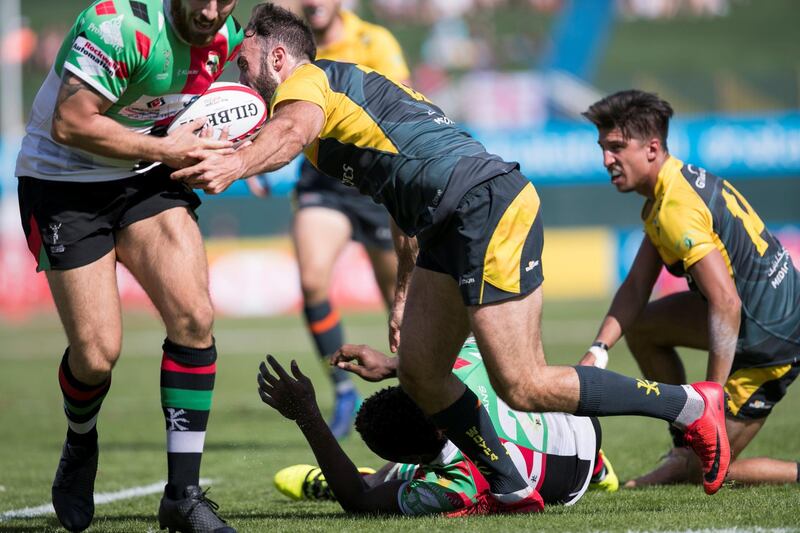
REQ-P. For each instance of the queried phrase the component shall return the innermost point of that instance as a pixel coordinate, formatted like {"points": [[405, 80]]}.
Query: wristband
{"points": [[600, 356], [600, 344]]}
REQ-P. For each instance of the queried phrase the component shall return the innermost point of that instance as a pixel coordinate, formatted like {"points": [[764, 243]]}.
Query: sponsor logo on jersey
{"points": [[156, 108], [700, 182], [531, 265], [213, 63], [98, 61], [110, 32]]}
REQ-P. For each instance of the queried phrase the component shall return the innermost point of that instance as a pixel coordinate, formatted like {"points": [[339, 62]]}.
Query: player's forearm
{"points": [[627, 304], [340, 472], [275, 147], [103, 136], [723, 332], [407, 250]]}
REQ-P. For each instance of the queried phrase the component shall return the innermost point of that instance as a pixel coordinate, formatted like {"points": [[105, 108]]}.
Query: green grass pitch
{"points": [[248, 442]]}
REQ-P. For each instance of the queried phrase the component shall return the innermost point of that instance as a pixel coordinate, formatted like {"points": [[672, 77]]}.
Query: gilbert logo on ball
{"points": [[234, 106]]}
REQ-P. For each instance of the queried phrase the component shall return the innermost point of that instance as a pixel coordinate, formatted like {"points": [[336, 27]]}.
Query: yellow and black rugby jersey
{"points": [[390, 142], [367, 44], [695, 212]]}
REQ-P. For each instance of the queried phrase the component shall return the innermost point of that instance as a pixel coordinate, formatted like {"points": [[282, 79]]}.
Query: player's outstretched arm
{"points": [[366, 362], [295, 125], [293, 397], [631, 297], [724, 313], [79, 121]]}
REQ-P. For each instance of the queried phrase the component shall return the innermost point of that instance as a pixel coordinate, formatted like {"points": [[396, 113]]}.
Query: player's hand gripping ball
{"points": [[231, 106]]}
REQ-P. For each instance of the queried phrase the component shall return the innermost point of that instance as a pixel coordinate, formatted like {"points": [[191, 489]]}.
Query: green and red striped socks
{"points": [[81, 404], [187, 387]]}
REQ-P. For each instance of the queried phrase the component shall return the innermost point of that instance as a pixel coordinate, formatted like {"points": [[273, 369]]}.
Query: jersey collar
{"points": [[670, 168]]}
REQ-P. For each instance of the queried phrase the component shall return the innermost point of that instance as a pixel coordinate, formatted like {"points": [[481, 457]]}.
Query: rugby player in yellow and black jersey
{"points": [[328, 214], [744, 303], [476, 218]]}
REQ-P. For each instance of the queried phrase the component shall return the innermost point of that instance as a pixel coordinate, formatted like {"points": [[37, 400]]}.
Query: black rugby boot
{"points": [[193, 514], [73, 486]]}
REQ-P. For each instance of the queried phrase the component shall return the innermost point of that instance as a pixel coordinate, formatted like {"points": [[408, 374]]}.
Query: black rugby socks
{"points": [[468, 425], [606, 393]]}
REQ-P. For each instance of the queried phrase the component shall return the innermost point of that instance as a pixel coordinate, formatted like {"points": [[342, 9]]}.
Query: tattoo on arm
{"points": [[70, 86]]}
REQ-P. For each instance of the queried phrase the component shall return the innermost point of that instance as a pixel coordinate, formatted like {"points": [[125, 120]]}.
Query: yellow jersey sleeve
{"points": [[387, 56], [308, 83], [687, 231]]}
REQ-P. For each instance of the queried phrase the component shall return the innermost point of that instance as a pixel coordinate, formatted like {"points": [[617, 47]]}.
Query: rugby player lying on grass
{"points": [[426, 473]]}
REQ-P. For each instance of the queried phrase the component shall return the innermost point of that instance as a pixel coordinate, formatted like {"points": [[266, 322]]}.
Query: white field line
{"points": [[99, 499]]}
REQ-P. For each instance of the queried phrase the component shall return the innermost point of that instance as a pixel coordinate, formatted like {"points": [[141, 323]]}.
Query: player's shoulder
{"points": [[116, 19], [122, 27], [235, 31]]}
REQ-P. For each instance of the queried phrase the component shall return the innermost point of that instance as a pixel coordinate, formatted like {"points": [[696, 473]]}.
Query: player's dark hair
{"points": [[637, 114], [393, 427], [275, 24]]}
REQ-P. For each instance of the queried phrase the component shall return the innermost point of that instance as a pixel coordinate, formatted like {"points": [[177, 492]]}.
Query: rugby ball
{"points": [[226, 105]]}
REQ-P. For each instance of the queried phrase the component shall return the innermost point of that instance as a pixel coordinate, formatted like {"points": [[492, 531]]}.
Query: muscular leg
{"points": [[676, 320], [755, 470], [384, 265], [165, 253], [509, 337], [87, 300], [682, 466], [88, 304], [434, 327], [319, 235]]}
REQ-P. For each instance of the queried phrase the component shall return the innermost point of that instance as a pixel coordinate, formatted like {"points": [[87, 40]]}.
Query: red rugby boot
{"points": [[708, 438]]}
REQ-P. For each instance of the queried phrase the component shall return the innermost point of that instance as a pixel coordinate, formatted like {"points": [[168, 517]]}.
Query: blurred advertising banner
{"points": [[259, 277], [731, 146], [566, 153], [256, 277]]}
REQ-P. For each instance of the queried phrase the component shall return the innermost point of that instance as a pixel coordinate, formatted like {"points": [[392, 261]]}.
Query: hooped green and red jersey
{"points": [[452, 482], [129, 52]]}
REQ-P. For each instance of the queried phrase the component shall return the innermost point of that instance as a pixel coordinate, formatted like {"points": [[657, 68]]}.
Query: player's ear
{"points": [[277, 58], [653, 148]]}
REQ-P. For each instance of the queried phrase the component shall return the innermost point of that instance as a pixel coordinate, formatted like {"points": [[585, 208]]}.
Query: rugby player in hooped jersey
{"points": [[426, 474], [329, 214], [479, 267], [124, 70], [744, 304]]}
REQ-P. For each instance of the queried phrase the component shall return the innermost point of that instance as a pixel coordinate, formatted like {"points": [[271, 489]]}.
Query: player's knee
{"points": [[92, 362], [194, 325], [314, 284], [519, 394], [638, 336]]}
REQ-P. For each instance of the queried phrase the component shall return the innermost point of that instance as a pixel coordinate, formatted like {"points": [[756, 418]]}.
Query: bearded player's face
{"points": [[255, 69], [198, 21]]}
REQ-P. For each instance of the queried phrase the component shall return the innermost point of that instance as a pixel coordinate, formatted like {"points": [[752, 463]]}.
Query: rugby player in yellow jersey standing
{"points": [[744, 303], [328, 213], [479, 266]]}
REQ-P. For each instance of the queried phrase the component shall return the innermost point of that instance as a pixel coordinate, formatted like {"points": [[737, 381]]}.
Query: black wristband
{"points": [[600, 344]]}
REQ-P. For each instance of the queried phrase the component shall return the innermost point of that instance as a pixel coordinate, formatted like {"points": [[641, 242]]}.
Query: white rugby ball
{"points": [[234, 106]]}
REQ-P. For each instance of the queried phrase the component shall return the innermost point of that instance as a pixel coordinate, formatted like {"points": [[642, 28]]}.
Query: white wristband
{"points": [[600, 356]]}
